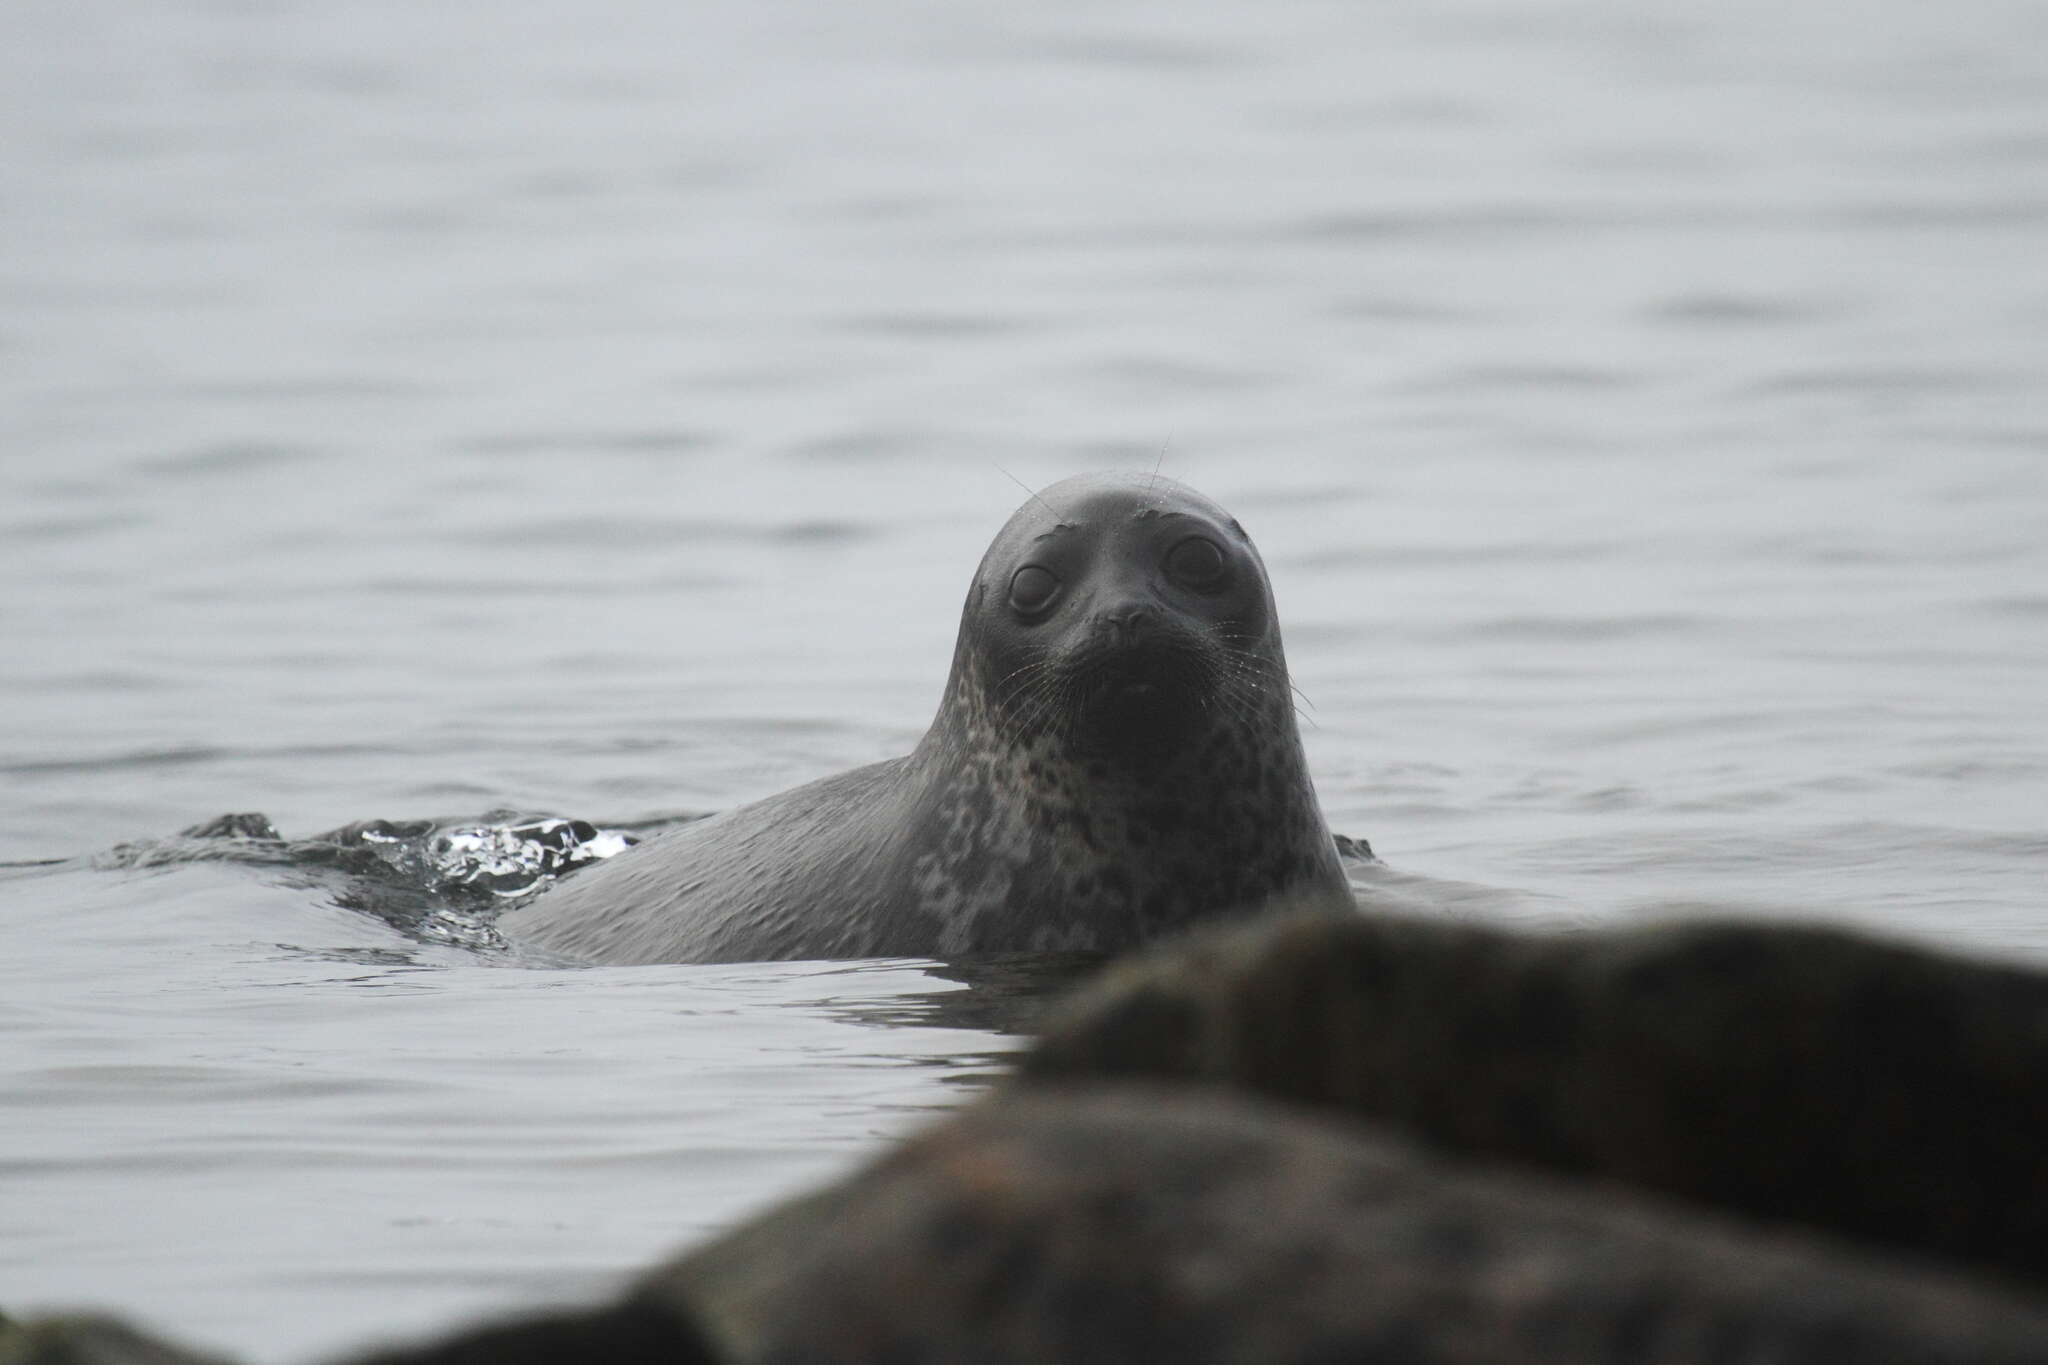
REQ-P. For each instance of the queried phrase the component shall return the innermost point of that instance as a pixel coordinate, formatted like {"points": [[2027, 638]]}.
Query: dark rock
{"points": [[1164, 1225], [88, 1339], [1804, 1074], [631, 1332]]}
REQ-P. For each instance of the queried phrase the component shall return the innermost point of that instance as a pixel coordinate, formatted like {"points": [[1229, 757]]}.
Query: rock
{"points": [[631, 1332], [88, 1339], [1142, 1225], [1787, 1073]]}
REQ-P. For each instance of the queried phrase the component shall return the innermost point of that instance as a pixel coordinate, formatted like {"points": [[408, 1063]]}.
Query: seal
{"points": [[1115, 759]]}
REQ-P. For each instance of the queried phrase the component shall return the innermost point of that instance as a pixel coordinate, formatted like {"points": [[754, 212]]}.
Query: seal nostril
{"points": [[1128, 625]]}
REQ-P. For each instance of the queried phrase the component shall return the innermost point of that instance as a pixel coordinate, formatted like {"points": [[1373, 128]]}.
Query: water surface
{"points": [[402, 414]]}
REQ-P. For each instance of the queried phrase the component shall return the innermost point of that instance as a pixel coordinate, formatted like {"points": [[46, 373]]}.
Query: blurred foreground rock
{"points": [[1328, 1140], [1152, 1225], [1788, 1073], [88, 1339], [632, 1330]]}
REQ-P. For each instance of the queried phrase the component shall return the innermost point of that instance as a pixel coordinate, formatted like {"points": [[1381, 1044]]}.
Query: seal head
{"points": [[1115, 758], [1116, 627]]}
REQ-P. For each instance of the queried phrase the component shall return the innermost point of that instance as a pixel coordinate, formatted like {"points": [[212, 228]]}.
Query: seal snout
{"points": [[1132, 647], [1136, 664], [1128, 624]]}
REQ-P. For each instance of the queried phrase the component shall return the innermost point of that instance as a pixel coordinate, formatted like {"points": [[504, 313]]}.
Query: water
{"points": [[408, 413]]}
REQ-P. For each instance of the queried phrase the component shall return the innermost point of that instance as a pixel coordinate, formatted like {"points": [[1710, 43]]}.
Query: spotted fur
{"points": [[1124, 767]]}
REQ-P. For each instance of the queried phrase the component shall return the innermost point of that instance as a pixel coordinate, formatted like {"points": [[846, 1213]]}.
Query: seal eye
{"points": [[1032, 590], [1198, 563]]}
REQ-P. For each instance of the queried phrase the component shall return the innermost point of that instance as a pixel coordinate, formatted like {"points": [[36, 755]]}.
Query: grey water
{"points": [[414, 411]]}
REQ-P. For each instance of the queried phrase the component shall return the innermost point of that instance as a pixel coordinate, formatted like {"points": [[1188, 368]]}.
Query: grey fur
{"points": [[1121, 766]]}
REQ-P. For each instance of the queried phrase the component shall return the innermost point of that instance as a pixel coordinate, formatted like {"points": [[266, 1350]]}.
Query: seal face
{"points": [[1116, 758]]}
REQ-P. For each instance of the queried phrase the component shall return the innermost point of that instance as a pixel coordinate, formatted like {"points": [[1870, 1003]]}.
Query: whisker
{"points": [[1027, 488]]}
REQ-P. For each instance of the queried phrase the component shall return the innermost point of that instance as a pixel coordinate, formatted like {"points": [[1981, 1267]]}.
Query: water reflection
{"points": [[1006, 994]]}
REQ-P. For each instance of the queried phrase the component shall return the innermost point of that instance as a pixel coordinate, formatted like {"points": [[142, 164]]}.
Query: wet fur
{"points": [[1049, 807]]}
